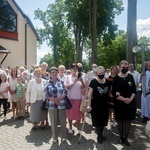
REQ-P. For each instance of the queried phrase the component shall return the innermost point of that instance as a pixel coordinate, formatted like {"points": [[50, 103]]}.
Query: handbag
{"points": [[44, 105], [68, 103], [147, 129], [83, 106]]}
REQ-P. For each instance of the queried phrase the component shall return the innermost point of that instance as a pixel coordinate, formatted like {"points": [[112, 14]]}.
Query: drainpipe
{"points": [[26, 25]]}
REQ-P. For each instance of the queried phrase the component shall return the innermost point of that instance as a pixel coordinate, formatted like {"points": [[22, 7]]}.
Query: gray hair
{"points": [[44, 64], [100, 68]]}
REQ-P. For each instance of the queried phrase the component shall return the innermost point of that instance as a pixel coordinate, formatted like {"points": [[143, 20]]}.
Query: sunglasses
{"points": [[125, 67], [72, 67]]}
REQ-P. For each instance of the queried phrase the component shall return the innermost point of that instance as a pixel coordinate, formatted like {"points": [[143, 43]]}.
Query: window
{"points": [[8, 17]]}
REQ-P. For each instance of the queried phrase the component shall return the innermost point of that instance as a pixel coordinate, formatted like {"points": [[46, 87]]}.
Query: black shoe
{"points": [[18, 118], [33, 129], [99, 140], [22, 118], [103, 138], [43, 128], [144, 120], [121, 141], [126, 143]]}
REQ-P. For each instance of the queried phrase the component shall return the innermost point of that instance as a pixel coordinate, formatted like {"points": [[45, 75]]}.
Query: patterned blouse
{"points": [[55, 90]]}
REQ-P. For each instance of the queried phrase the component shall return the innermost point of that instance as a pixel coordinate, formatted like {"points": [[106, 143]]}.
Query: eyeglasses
{"points": [[54, 72], [74, 67]]}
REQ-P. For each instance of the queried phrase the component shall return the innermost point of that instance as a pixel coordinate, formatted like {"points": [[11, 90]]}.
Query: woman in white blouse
{"points": [[35, 97]]}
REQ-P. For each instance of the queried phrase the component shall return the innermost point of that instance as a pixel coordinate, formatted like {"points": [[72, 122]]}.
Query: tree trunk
{"points": [[77, 35], [90, 30], [93, 29], [131, 30]]}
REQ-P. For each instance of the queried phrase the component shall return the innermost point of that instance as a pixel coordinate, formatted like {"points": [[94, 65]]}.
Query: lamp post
{"points": [[136, 49]]}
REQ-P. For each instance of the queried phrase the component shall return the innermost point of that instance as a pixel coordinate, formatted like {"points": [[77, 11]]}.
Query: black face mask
{"points": [[101, 76], [124, 70], [79, 69]]}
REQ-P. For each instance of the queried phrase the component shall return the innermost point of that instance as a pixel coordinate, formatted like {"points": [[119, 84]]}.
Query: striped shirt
{"points": [[19, 92]]}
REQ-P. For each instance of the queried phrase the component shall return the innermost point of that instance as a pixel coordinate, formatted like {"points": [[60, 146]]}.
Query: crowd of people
{"points": [[113, 95]]}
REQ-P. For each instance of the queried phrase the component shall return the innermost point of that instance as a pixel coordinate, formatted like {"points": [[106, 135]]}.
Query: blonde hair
{"points": [[61, 66], [44, 64], [37, 70], [124, 62]]}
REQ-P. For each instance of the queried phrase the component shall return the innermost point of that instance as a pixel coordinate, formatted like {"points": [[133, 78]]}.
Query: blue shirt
{"points": [[55, 90]]}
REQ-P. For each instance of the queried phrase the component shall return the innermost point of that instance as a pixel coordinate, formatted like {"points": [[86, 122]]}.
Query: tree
{"points": [[142, 41], [114, 52], [77, 21], [131, 30], [75, 17], [98, 16], [48, 58], [56, 33], [93, 29]]}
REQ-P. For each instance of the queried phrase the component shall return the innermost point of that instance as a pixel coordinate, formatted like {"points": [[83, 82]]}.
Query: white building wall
{"points": [[17, 48]]}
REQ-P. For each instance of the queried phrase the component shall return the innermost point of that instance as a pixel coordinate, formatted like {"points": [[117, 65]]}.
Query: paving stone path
{"points": [[16, 135]]}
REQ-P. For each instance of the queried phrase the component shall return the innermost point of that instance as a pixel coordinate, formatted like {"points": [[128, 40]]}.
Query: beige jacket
{"points": [[31, 95]]}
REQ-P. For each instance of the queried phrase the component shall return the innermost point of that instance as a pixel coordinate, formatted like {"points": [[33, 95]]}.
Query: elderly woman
{"points": [[35, 98], [55, 93], [46, 76], [61, 72], [124, 91], [98, 102], [74, 85]]}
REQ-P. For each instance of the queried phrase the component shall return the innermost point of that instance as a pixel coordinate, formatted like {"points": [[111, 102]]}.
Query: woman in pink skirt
{"points": [[74, 85]]}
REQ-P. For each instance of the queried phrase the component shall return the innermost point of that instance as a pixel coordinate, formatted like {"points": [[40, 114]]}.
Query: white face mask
{"points": [[94, 69]]}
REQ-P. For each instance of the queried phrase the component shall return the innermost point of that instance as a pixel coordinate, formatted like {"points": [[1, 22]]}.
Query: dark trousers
{"points": [[4, 101]]}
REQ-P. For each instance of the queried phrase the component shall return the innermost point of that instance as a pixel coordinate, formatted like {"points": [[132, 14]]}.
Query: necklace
{"points": [[100, 81], [122, 76]]}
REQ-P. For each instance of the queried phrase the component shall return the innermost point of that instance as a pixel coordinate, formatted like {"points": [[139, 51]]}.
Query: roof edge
{"points": [[27, 19]]}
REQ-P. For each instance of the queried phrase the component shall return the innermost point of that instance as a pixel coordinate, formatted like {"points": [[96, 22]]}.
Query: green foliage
{"points": [[142, 41], [66, 18], [48, 58], [56, 33], [114, 52]]}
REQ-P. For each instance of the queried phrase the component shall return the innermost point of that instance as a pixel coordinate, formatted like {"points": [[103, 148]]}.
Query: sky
{"points": [[143, 18]]}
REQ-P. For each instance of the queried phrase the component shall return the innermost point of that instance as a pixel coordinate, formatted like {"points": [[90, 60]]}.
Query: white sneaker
{"points": [[78, 132], [5, 118], [64, 140], [70, 131], [55, 141]]}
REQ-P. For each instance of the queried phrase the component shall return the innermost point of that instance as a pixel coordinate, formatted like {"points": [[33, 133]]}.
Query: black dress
{"points": [[125, 86], [99, 102]]}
